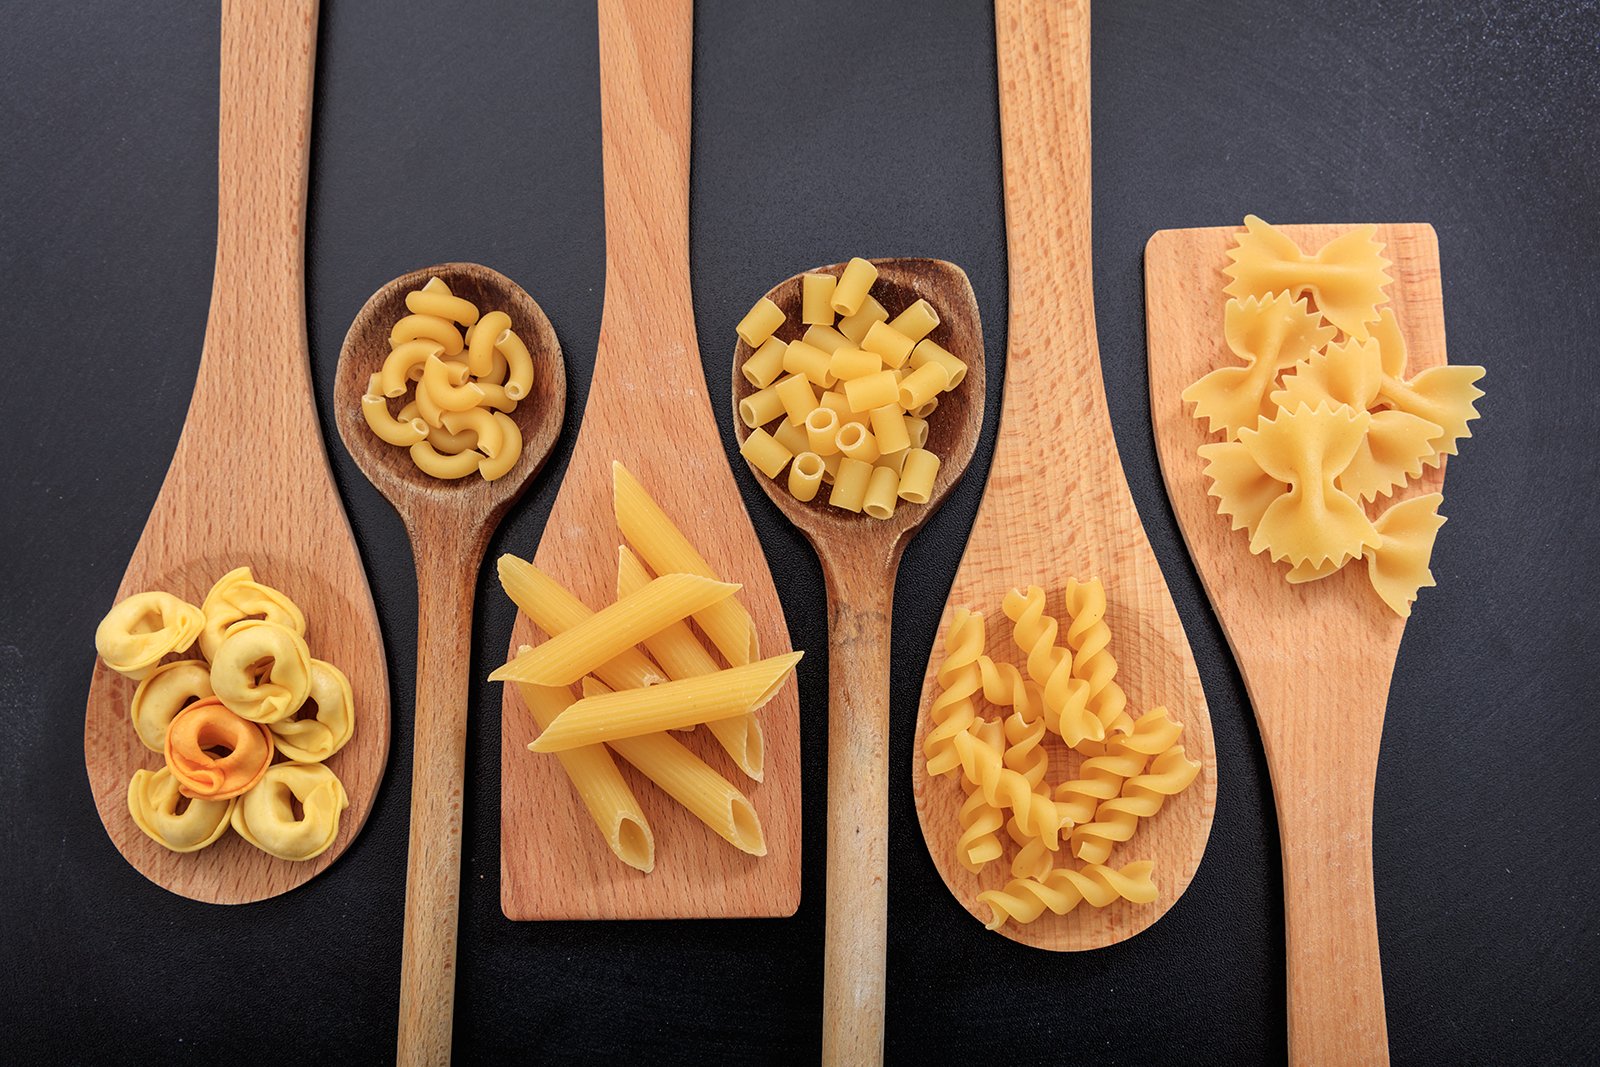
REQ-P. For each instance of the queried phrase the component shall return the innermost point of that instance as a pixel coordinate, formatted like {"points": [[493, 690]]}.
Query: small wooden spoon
{"points": [[860, 556], [449, 523], [249, 483], [1317, 658], [1057, 505]]}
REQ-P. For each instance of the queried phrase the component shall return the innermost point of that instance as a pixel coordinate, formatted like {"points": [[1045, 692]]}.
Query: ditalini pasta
{"points": [[234, 725], [1318, 419], [466, 387], [642, 671], [1063, 819], [854, 395]]}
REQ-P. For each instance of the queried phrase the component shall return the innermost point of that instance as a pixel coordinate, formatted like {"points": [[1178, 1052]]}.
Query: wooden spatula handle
{"points": [[860, 604], [446, 573]]}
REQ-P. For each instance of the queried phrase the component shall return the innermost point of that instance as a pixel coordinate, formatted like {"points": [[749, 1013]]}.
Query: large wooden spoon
{"points": [[860, 556], [249, 483], [1057, 505], [448, 523], [1317, 658], [648, 407]]}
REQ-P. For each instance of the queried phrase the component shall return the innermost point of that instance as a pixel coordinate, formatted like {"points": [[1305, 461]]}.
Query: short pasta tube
{"points": [[889, 344], [763, 368], [816, 299], [826, 338], [922, 385], [889, 427], [797, 397], [850, 363], [880, 499], [765, 453], [851, 289], [873, 391], [822, 431], [917, 475], [809, 360], [855, 326], [857, 442], [760, 322], [850, 484], [791, 436], [761, 407], [805, 476], [916, 321], [927, 352]]}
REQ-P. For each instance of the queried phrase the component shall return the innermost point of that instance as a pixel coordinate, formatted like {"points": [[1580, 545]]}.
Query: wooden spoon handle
{"points": [[860, 605], [446, 571]]}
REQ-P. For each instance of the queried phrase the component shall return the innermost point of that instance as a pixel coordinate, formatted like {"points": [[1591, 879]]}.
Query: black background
{"points": [[820, 131]]}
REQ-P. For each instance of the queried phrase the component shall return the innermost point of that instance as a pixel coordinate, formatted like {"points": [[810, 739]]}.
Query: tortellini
{"points": [[154, 802], [243, 731], [139, 631], [265, 815], [214, 754], [262, 671], [168, 689]]}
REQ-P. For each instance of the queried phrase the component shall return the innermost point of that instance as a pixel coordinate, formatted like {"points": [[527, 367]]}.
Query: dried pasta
{"points": [[1346, 276], [1025, 899], [1398, 566]]}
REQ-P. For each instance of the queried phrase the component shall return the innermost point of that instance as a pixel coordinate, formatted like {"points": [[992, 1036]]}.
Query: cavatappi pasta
{"points": [[1060, 807], [466, 387], [642, 668], [844, 402], [242, 729], [1318, 420]]}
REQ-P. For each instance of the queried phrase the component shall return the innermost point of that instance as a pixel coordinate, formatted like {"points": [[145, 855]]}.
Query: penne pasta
{"points": [[584, 647], [666, 551], [599, 784], [922, 385], [681, 655], [686, 702], [555, 611]]}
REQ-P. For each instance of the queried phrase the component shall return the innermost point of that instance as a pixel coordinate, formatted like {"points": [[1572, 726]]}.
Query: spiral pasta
{"points": [[952, 712], [153, 803], [1089, 638], [265, 815], [164, 693], [1142, 797], [1066, 697], [1024, 899], [137, 632], [978, 843], [251, 691], [983, 765]]}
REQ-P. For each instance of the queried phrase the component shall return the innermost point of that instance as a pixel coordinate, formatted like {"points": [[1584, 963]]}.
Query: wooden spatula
{"points": [[1057, 505], [648, 407], [249, 483], [1316, 658]]}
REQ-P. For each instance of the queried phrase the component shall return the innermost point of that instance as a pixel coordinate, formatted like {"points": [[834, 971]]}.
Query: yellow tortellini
{"points": [[168, 690], [153, 801], [314, 739], [139, 631], [265, 815], [262, 671], [236, 597]]}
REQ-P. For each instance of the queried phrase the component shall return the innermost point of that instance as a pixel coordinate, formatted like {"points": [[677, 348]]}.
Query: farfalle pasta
{"points": [[137, 633], [1320, 421], [993, 725], [227, 724], [266, 816]]}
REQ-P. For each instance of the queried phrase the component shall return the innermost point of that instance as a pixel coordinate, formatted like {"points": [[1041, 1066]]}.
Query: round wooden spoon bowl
{"points": [[859, 556], [449, 523]]}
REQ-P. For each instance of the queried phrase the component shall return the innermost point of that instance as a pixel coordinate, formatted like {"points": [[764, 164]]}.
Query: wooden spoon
{"points": [[1057, 504], [448, 523], [1316, 658], [249, 483], [648, 408], [860, 556]]}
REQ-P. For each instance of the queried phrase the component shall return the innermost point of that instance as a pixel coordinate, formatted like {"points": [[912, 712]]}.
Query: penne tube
{"points": [[816, 299], [765, 453], [759, 322], [686, 778], [555, 611], [826, 338], [681, 655], [889, 344], [763, 368], [480, 341], [881, 489], [426, 301], [851, 289], [686, 702], [916, 321], [805, 476], [665, 550], [600, 786], [608, 633], [440, 331]]}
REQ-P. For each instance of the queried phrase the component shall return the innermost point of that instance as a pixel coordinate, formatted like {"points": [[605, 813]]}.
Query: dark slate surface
{"points": [[476, 136]]}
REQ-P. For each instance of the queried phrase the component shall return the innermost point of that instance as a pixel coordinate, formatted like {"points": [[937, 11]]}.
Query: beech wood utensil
{"points": [[648, 407], [860, 556], [1057, 504], [1317, 658], [249, 482], [448, 524]]}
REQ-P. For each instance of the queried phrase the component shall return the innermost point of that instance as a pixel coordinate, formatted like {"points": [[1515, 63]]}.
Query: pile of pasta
{"points": [[459, 421], [879, 379], [642, 670], [990, 721], [1319, 417], [243, 730]]}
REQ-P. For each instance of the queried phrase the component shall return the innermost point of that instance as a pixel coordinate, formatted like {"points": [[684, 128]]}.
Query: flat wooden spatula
{"points": [[1316, 657]]}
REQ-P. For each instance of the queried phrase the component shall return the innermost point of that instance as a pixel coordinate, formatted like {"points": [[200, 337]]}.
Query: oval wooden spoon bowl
{"points": [[249, 483], [1057, 505], [448, 523], [860, 556]]}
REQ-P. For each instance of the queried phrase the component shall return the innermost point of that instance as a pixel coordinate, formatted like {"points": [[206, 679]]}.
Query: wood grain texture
{"points": [[249, 482], [1057, 504], [648, 407], [448, 524], [860, 556], [1316, 658]]}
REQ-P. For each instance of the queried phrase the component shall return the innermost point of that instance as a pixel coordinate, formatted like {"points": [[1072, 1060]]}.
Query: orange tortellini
{"points": [[243, 731], [1319, 419]]}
